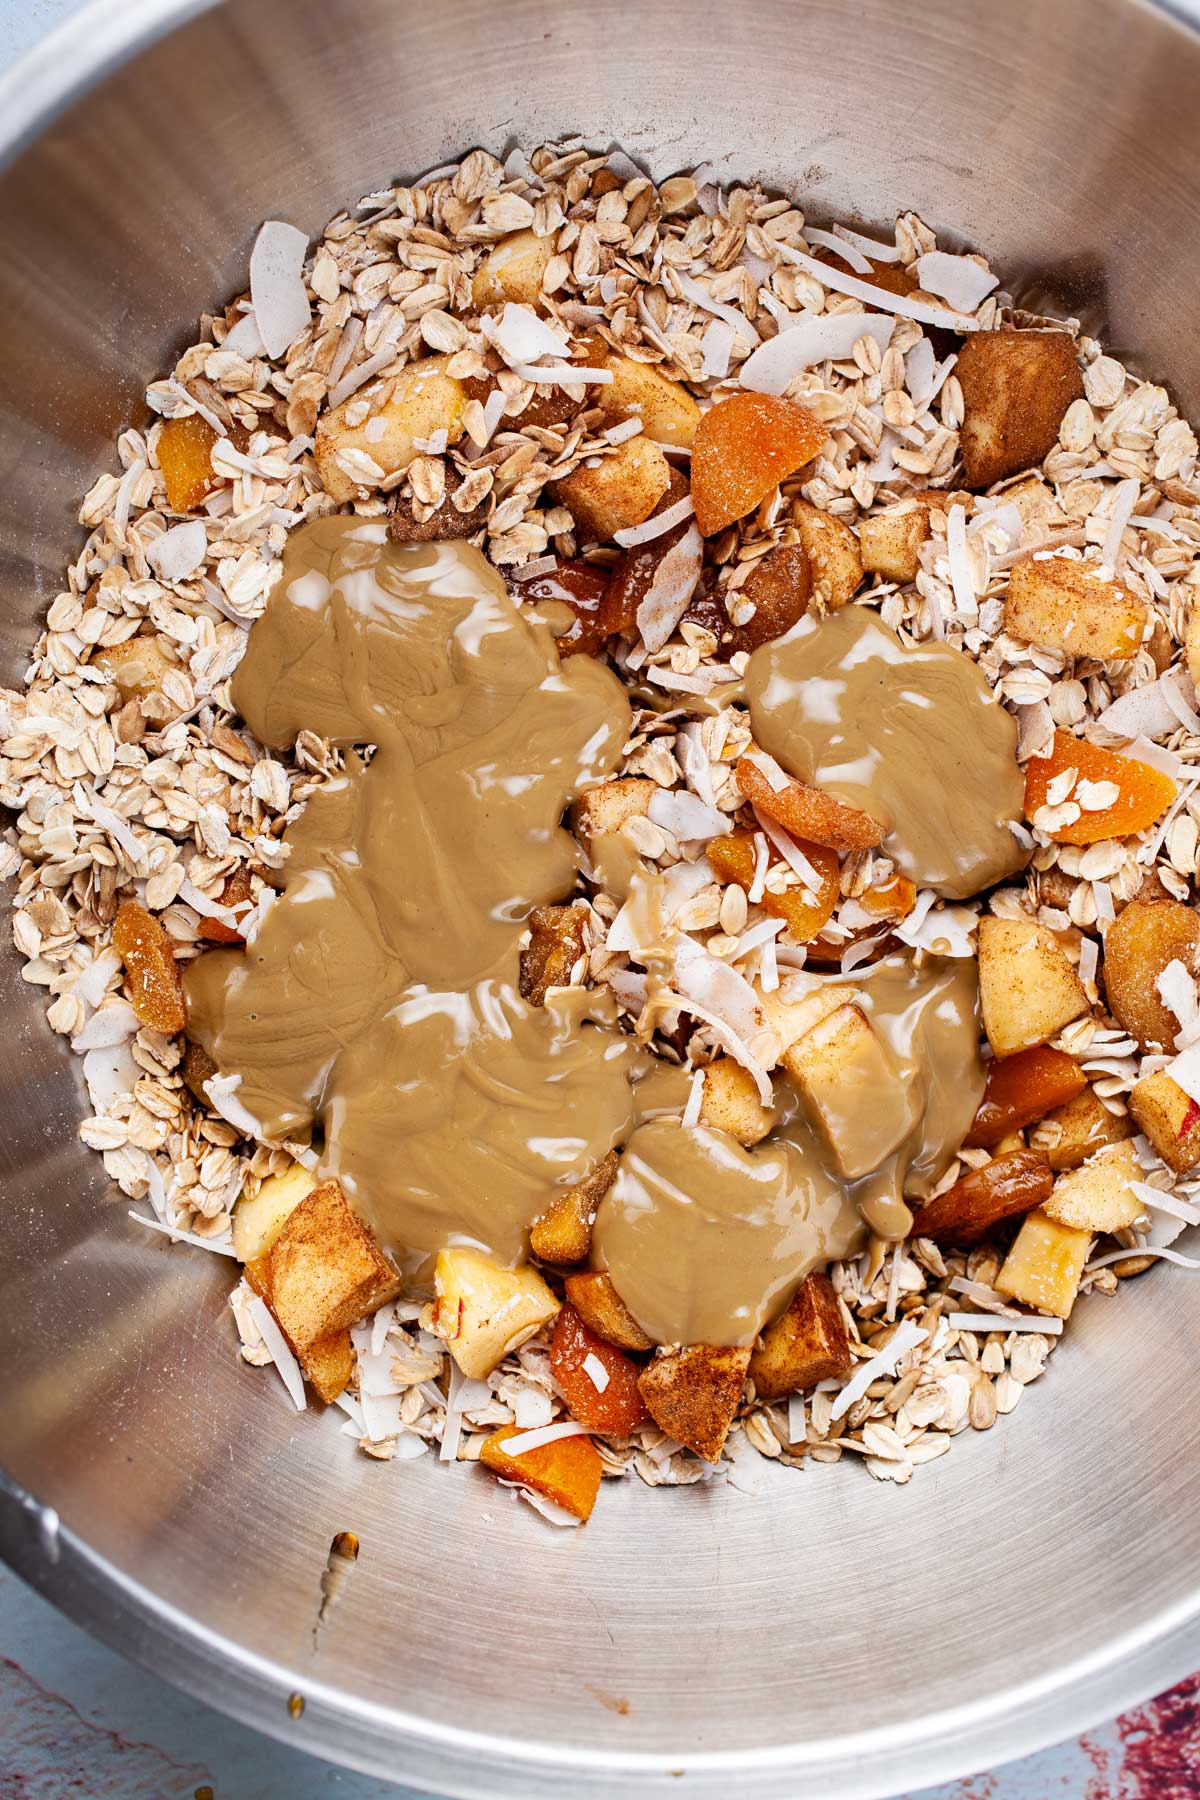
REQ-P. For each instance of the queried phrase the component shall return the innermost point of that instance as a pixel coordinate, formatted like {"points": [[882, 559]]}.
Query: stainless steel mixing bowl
{"points": [[825, 1635]]}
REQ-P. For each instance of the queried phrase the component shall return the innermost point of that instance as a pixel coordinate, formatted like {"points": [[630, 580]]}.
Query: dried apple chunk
{"points": [[982, 1198]]}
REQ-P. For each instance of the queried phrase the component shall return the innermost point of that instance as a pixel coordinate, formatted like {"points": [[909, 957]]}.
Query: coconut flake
{"points": [[987, 1321], [113, 1023], [789, 849], [628, 428], [1185, 1071], [1177, 700], [700, 297], [814, 338], [688, 818], [884, 253], [768, 966], [1143, 711], [919, 366], [955, 278], [191, 896], [697, 769], [281, 306], [1165, 1203], [962, 579], [521, 335], [1124, 501], [1177, 990], [716, 985], [362, 373], [277, 1349], [110, 1074], [124, 499], [765, 932], [92, 985], [110, 821], [561, 374], [549, 1509], [795, 1418], [842, 247], [666, 599], [525, 1441], [859, 952], [717, 346], [769, 769], [1160, 1250], [244, 338], [695, 1099], [729, 1040], [179, 552], [219, 1246], [945, 930], [596, 1372], [877, 296], [222, 1093], [905, 1338], [762, 862], [1089, 960], [656, 526]]}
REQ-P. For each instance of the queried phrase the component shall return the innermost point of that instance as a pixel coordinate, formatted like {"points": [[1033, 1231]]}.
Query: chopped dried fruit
{"points": [[198, 1067], [1023, 1088], [833, 554], [583, 588], [150, 968], [668, 412], [778, 585], [1027, 987], [1016, 387], [482, 1310], [890, 542], [415, 404], [1140, 942], [563, 1233], [1143, 793], [893, 901], [513, 270], [1170, 1119], [1064, 604], [445, 521], [806, 1344], [597, 1381], [136, 667], [1070, 1134], [730, 1102], [326, 1269], [599, 1305], [806, 812], [185, 458], [234, 893], [633, 576], [555, 946], [745, 446], [693, 1393], [566, 1471], [981, 1198], [1045, 1265], [1098, 1196], [733, 859], [621, 491]]}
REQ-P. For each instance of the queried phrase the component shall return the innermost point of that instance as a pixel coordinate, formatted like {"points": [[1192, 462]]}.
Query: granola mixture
{"points": [[130, 777]]}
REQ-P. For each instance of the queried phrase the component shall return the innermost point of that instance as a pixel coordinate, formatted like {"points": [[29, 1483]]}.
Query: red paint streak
{"points": [[51, 1752], [1160, 1745]]}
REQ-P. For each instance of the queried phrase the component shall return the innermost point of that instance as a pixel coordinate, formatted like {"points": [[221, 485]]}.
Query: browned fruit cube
{"points": [[890, 541], [584, 589], [555, 946], [185, 458], [620, 492], [328, 1365], [983, 1197], [563, 1233], [1138, 945], [198, 1066], [1076, 606], [833, 555], [326, 1269], [1170, 1119], [136, 666], [1070, 1134], [446, 521], [730, 1102], [1016, 386], [1045, 1265], [693, 1393], [599, 1305], [807, 1344], [150, 969], [1023, 1088], [234, 892], [779, 584]]}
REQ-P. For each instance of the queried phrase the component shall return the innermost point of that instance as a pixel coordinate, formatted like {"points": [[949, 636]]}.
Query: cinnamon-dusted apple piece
{"points": [[1074, 605], [1142, 796], [1138, 946], [806, 812], [1016, 387], [600, 1306], [1045, 1265], [1023, 1088], [605, 809], [833, 554], [982, 1198], [567, 1470], [556, 942], [1098, 1196], [743, 448], [563, 1233], [1027, 987], [258, 1221], [730, 1102], [1071, 1133], [326, 1270], [852, 1090], [692, 1394], [598, 1382], [890, 542], [668, 412], [146, 951], [413, 405], [806, 1344], [620, 491], [1169, 1117], [482, 1311], [513, 270]]}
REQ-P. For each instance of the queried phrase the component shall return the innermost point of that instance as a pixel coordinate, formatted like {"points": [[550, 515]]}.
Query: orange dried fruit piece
{"points": [[745, 446], [235, 892], [981, 1198], [150, 968], [1023, 1088], [185, 458], [1143, 793], [733, 859], [805, 812], [582, 587], [894, 900], [598, 1382], [566, 1471]]}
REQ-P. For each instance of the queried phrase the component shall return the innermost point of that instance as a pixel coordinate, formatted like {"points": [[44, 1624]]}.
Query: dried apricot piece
{"points": [[235, 892], [779, 585], [981, 1198], [185, 458], [745, 446], [566, 1471], [583, 588], [805, 812], [1143, 793], [894, 900], [598, 1382], [1023, 1088], [150, 967], [733, 859]]}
